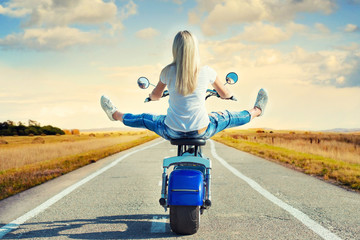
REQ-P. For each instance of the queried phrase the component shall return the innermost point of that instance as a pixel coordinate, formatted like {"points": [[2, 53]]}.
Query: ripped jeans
{"points": [[156, 123]]}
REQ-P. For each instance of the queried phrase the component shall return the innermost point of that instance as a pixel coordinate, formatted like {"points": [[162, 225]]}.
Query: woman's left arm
{"points": [[157, 93], [222, 90]]}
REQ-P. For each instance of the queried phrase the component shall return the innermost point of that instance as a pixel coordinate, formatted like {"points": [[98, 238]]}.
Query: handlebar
{"points": [[211, 92]]}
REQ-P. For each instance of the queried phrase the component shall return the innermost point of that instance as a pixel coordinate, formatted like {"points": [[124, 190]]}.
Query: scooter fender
{"points": [[186, 188]]}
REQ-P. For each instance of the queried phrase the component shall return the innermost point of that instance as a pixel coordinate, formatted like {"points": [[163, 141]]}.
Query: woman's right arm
{"points": [[222, 90]]}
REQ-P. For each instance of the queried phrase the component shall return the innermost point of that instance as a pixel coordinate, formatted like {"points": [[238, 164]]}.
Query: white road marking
{"points": [[158, 224], [302, 217], [160, 183], [16, 223]]}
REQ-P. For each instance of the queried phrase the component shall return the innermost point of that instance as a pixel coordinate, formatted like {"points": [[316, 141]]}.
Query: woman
{"points": [[187, 83]]}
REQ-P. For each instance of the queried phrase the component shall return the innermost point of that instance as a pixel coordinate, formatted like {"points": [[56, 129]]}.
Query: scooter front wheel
{"points": [[184, 219]]}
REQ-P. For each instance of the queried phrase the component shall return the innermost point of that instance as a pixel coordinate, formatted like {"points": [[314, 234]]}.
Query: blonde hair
{"points": [[187, 61]]}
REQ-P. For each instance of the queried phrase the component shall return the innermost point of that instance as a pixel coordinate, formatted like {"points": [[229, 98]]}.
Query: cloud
{"points": [[336, 68], [351, 28], [48, 39], [179, 2], [353, 78], [218, 15], [322, 28], [349, 47], [62, 12], [128, 10], [50, 24], [130, 74], [147, 33], [339, 67], [263, 33], [13, 12], [300, 79]]}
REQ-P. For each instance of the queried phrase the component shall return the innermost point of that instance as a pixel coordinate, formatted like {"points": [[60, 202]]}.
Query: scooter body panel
{"points": [[186, 188], [186, 158]]}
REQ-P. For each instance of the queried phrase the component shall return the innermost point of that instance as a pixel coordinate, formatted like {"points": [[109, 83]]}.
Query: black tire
{"points": [[184, 219]]}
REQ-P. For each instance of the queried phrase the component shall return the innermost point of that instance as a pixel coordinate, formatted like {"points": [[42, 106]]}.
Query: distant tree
{"points": [[33, 123], [4, 125], [9, 128], [50, 130], [20, 129]]}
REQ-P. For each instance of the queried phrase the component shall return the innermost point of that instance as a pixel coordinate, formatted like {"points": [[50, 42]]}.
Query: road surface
{"points": [[117, 198]]}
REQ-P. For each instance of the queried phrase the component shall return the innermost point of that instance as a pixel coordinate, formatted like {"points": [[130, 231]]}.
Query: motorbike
{"points": [[186, 178]]}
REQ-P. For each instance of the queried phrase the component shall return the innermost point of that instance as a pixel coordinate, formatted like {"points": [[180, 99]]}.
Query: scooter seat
{"points": [[189, 141]]}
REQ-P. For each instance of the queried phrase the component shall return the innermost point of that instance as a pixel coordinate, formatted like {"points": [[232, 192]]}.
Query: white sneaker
{"points": [[108, 107], [261, 100]]}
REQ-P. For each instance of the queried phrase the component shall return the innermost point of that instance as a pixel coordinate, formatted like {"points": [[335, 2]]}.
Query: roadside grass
{"points": [[332, 156], [33, 164]]}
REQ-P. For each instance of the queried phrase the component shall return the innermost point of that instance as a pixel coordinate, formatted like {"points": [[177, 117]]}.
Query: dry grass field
{"points": [[332, 156], [26, 161]]}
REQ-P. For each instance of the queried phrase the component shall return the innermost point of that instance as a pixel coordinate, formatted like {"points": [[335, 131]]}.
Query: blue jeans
{"points": [[156, 123]]}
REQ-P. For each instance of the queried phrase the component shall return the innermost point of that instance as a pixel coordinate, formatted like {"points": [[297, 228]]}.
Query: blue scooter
{"points": [[186, 191]]}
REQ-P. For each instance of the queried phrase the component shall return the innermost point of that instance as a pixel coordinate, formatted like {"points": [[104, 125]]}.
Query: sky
{"points": [[57, 57]]}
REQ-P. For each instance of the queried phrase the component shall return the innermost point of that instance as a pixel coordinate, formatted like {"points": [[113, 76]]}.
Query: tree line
{"points": [[10, 128]]}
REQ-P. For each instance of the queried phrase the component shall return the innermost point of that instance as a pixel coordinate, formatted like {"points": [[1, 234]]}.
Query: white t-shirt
{"points": [[188, 113]]}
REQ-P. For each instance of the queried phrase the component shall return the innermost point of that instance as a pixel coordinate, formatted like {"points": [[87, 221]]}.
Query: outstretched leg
{"points": [[110, 109], [222, 120], [254, 112], [148, 121]]}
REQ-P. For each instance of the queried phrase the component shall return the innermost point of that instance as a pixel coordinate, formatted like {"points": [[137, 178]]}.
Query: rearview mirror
{"points": [[231, 78], [143, 82]]}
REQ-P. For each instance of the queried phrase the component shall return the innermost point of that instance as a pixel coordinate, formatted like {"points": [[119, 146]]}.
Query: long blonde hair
{"points": [[187, 61]]}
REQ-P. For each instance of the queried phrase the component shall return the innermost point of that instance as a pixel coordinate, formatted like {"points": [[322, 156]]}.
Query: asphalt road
{"points": [[117, 198]]}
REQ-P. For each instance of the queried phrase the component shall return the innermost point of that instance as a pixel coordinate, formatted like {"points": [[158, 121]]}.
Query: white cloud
{"points": [[49, 24], [218, 15], [269, 57], [336, 67], [322, 28], [339, 68], [264, 33], [260, 33], [13, 12], [194, 17], [351, 28], [62, 12], [350, 47], [147, 33], [128, 10], [48, 39], [340, 79], [179, 2]]}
